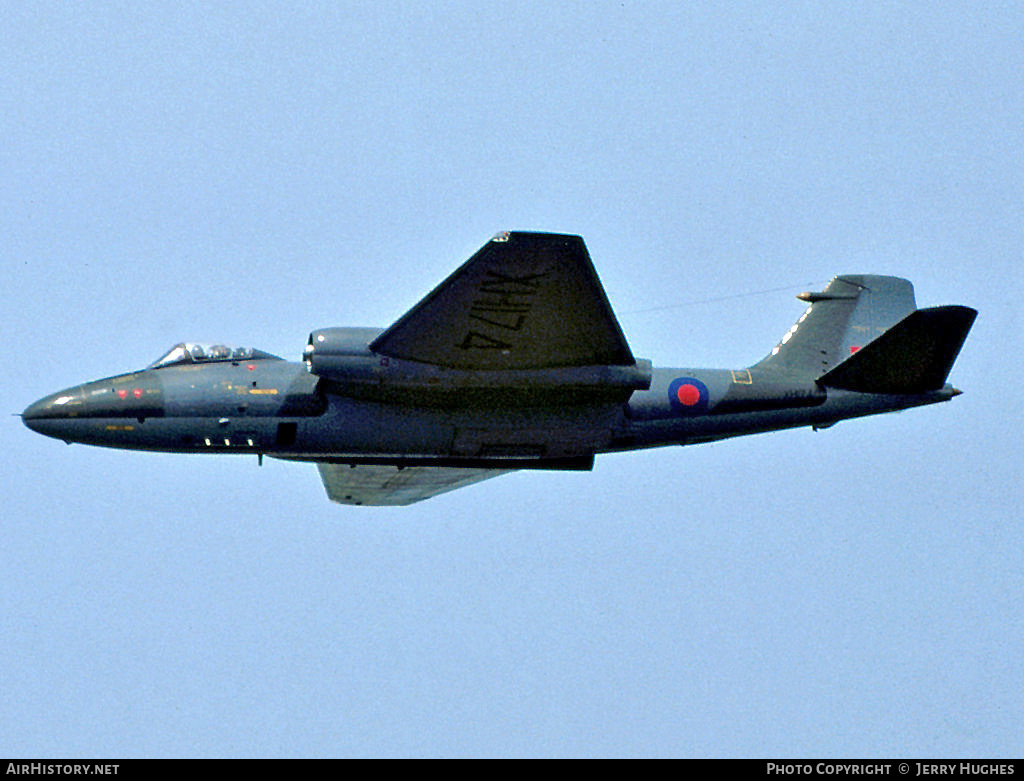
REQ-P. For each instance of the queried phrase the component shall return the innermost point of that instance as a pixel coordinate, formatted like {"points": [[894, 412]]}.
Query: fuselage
{"points": [[269, 406]]}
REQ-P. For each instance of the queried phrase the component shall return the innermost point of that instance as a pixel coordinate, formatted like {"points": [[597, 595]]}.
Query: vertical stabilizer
{"points": [[851, 312]]}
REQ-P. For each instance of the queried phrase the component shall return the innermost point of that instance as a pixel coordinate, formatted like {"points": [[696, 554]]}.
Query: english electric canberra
{"points": [[516, 361]]}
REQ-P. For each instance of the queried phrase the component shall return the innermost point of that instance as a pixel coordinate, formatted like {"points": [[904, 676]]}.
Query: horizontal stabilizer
{"points": [[914, 356]]}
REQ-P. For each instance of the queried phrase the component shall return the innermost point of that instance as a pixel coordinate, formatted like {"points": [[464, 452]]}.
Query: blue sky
{"points": [[248, 172]]}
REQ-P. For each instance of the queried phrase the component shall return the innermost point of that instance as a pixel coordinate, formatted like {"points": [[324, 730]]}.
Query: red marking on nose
{"points": [[688, 395], [251, 367], [122, 392]]}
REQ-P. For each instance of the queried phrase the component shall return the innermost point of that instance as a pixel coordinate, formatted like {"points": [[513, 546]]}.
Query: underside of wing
{"points": [[373, 484], [523, 301]]}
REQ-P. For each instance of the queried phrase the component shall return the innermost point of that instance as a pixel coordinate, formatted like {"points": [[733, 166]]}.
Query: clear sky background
{"points": [[248, 172]]}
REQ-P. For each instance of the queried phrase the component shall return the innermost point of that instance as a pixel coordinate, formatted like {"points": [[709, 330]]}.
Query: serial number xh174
{"points": [[516, 361]]}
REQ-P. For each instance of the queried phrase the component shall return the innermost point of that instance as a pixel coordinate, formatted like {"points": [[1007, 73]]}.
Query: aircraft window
{"points": [[176, 354], [193, 352]]}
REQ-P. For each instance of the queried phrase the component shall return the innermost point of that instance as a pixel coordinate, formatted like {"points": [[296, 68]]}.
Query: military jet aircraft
{"points": [[516, 361]]}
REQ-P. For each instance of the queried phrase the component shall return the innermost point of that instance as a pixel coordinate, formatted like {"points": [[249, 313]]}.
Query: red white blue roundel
{"points": [[688, 395]]}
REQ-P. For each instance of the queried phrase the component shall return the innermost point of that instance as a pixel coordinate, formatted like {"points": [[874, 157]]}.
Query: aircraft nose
{"points": [[82, 413], [57, 405], [45, 416], [33, 412], [30, 417]]}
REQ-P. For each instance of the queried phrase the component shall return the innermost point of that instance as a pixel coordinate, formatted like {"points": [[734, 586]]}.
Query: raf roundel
{"points": [[688, 395]]}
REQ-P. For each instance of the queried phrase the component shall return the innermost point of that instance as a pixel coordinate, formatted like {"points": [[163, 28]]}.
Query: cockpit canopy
{"points": [[195, 352]]}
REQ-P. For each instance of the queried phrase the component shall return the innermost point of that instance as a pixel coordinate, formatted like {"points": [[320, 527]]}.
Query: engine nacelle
{"points": [[342, 356]]}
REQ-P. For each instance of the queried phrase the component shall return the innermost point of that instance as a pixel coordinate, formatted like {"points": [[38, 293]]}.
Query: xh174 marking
{"points": [[516, 361]]}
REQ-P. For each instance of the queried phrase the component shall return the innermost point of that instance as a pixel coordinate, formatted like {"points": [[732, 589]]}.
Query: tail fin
{"points": [[914, 356], [852, 311]]}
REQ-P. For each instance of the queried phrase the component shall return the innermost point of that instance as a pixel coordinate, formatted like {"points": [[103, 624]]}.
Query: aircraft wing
{"points": [[523, 301], [372, 484]]}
